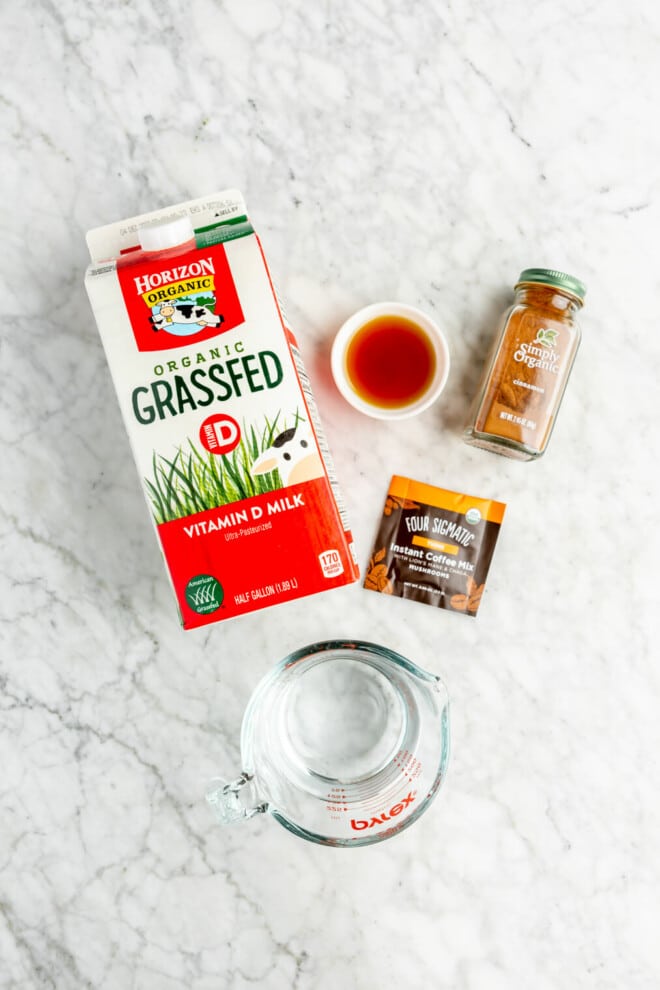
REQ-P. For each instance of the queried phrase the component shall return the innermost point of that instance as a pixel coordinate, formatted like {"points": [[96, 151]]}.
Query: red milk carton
{"points": [[219, 410]]}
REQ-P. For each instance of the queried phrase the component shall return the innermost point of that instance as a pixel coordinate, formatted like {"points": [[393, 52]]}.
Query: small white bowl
{"points": [[435, 337]]}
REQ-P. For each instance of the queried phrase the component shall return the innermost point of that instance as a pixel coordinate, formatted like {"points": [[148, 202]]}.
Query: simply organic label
{"points": [[541, 353]]}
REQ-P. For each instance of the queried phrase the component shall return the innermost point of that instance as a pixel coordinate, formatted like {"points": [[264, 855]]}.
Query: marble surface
{"points": [[421, 152]]}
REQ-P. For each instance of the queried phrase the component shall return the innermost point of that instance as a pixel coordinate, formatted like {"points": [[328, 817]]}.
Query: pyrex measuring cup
{"points": [[344, 743]]}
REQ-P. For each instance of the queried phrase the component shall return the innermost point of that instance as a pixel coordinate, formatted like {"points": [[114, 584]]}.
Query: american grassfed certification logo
{"points": [[204, 594]]}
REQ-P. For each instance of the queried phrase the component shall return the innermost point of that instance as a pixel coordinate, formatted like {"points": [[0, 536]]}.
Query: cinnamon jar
{"points": [[524, 381]]}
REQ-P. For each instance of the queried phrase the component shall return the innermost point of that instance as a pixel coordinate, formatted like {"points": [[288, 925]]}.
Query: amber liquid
{"points": [[390, 362]]}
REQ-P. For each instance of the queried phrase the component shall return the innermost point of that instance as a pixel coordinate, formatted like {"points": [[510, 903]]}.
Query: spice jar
{"points": [[524, 381]]}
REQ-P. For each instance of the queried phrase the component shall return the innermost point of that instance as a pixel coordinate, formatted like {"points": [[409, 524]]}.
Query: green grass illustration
{"points": [[194, 480], [204, 596]]}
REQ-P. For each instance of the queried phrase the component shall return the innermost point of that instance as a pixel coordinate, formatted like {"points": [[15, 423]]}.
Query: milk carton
{"points": [[219, 410]]}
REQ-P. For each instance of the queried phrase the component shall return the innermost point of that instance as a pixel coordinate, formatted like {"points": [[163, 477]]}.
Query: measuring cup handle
{"points": [[234, 801]]}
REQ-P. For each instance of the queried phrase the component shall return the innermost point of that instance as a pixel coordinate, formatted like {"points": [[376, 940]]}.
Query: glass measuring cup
{"points": [[343, 743]]}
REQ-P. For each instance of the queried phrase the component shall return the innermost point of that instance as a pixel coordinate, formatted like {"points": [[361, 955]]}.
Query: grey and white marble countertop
{"points": [[422, 152]]}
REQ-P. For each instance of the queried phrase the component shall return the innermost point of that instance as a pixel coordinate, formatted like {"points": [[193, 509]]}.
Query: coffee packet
{"points": [[434, 546]]}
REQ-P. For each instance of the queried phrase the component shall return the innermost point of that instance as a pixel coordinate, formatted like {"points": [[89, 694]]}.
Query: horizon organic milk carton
{"points": [[218, 409]]}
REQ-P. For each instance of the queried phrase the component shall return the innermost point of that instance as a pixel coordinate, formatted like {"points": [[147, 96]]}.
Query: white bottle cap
{"points": [[158, 235]]}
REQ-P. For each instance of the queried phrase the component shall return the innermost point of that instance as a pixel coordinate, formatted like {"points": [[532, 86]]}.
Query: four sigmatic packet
{"points": [[219, 410], [434, 546]]}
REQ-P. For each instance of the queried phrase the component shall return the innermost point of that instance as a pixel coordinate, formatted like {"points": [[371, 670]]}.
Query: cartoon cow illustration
{"points": [[295, 455], [185, 313]]}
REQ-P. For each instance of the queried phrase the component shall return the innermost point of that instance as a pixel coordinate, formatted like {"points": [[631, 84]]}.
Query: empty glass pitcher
{"points": [[343, 743]]}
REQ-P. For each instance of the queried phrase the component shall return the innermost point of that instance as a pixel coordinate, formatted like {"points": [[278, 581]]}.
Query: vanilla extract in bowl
{"points": [[390, 361]]}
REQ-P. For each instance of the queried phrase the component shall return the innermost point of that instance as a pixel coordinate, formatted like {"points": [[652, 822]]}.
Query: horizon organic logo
{"points": [[192, 300], [153, 280], [361, 823]]}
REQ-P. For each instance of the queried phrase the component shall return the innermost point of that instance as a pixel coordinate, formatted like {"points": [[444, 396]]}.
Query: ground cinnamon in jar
{"points": [[524, 381]]}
